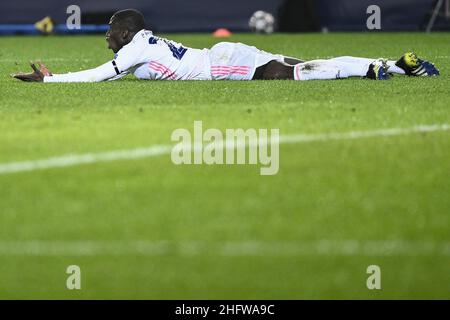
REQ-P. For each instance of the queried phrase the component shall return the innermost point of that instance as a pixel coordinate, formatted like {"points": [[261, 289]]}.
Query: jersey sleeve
{"points": [[104, 72], [126, 58]]}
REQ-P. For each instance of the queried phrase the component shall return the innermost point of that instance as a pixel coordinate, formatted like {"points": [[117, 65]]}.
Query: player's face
{"points": [[114, 37]]}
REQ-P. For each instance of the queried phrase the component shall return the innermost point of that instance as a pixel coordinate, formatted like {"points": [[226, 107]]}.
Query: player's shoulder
{"points": [[133, 50], [139, 41], [142, 36]]}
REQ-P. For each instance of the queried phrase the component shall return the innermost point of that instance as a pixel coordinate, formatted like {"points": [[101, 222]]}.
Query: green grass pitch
{"points": [[148, 229]]}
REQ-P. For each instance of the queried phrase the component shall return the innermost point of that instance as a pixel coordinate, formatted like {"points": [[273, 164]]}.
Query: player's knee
{"points": [[277, 71], [292, 61]]}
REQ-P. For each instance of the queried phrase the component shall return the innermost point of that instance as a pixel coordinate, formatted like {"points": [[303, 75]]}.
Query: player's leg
{"points": [[311, 70], [274, 70], [329, 69], [237, 61], [367, 61], [292, 61], [408, 64], [319, 70]]}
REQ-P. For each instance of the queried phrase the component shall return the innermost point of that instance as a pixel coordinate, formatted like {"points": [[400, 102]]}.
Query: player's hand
{"points": [[36, 76]]}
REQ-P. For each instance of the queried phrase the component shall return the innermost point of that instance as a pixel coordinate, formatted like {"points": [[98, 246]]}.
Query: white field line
{"points": [[88, 158], [364, 134], [226, 249], [157, 150]]}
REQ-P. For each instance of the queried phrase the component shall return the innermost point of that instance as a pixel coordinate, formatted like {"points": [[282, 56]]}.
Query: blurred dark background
{"points": [[208, 15]]}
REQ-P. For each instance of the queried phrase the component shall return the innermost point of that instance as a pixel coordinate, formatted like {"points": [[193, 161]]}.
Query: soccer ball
{"points": [[262, 22]]}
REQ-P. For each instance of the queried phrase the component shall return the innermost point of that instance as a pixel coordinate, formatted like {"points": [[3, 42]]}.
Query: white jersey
{"points": [[150, 57], [153, 58]]}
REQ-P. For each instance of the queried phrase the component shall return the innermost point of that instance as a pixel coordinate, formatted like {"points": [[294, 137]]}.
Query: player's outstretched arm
{"points": [[107, 71], [127, 57]]}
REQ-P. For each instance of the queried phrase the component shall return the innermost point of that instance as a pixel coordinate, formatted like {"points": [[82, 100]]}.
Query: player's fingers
{"points": [[34, 67], [37, 73]]}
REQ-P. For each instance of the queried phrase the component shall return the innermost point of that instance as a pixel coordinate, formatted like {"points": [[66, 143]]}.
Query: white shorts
{"points": [[237, 61]]}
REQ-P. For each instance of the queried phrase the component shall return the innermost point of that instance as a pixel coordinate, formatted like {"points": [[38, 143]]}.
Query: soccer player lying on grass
{"points": [[149, 57]]}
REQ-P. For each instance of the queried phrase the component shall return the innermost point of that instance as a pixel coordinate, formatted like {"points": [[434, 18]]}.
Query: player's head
{"points": [[123, 26]]}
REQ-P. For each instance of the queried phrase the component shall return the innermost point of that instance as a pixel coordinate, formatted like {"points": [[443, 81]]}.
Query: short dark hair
{"points": [[130, 19]]}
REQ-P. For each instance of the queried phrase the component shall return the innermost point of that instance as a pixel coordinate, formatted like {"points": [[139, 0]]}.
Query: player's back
{"points": [[150, 57]]}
